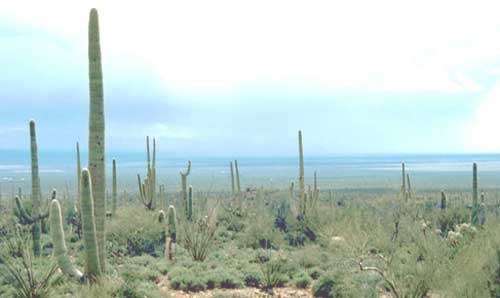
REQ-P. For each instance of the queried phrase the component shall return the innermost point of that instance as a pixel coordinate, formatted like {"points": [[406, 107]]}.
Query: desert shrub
{"points": [[252, 275], [224, 279], [302, 280], [187, 280], [134, 232], [329, 286]]}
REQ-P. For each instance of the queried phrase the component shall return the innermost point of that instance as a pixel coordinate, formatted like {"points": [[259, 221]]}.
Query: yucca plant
{"points": [[197, 237], [23, 278]]}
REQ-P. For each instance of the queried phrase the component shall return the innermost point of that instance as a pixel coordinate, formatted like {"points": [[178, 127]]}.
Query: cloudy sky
{"points": [[241, 77]]}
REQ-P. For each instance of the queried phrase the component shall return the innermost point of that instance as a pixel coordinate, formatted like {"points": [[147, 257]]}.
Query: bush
{"points": [[329, 286], [302, 280]]}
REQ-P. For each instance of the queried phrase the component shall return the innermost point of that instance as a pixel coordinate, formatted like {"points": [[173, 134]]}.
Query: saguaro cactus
{"points": [[114, 190], [190, 203], [403, 178], [302, 188], [57, 232], [96, 135], [232, 177], [443, 200], [90, 235], [34, 217], [92, 262], [408, 185], [147, 190], [171, 232], [238, 185], [475, 203], [184, 176]]}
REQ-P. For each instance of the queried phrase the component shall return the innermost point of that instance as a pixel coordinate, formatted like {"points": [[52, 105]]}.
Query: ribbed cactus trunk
{"points": [[190, 204], [57, 232], [302, 188], [114, 190], [475, 203], [238, 185], [93, 260], [96, 135], [232, 177], [36, 194], [408, 185]]}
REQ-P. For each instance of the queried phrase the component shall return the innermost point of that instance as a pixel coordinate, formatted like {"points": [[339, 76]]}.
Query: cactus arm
{"points": [[92, 257], [22, 212], [60, 250]]}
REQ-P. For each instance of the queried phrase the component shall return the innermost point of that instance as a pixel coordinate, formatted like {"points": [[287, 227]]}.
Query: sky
{"points": [[229, 77]]}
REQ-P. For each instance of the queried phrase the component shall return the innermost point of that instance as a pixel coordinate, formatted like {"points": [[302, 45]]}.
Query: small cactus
{"points": [[184, 193], [238, 185], [443, 200]]}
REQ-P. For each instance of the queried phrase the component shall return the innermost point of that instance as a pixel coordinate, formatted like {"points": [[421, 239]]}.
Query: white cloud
{"points": [[388, 45]]}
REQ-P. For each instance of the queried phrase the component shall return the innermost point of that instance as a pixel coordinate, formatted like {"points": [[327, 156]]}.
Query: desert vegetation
{"points": [[247, 241]]}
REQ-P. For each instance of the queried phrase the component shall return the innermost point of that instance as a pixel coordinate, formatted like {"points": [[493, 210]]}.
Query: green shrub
{"points": [[329, 286], [302, 280]]}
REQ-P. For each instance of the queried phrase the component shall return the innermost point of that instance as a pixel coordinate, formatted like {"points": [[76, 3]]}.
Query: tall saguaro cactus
{"points": [[34, 217], [475, 202], [114, 190], [96, 135], [232, 177], [302, 188], [403, 179], [36, 194], [184, 193], [238, 185]]}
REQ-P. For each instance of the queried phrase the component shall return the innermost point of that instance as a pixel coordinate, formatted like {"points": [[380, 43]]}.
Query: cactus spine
{"points": [[475, 203], [302, 188], [57, 233], [96, 137], [114, 190], [184, 188], [232, 177]]}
